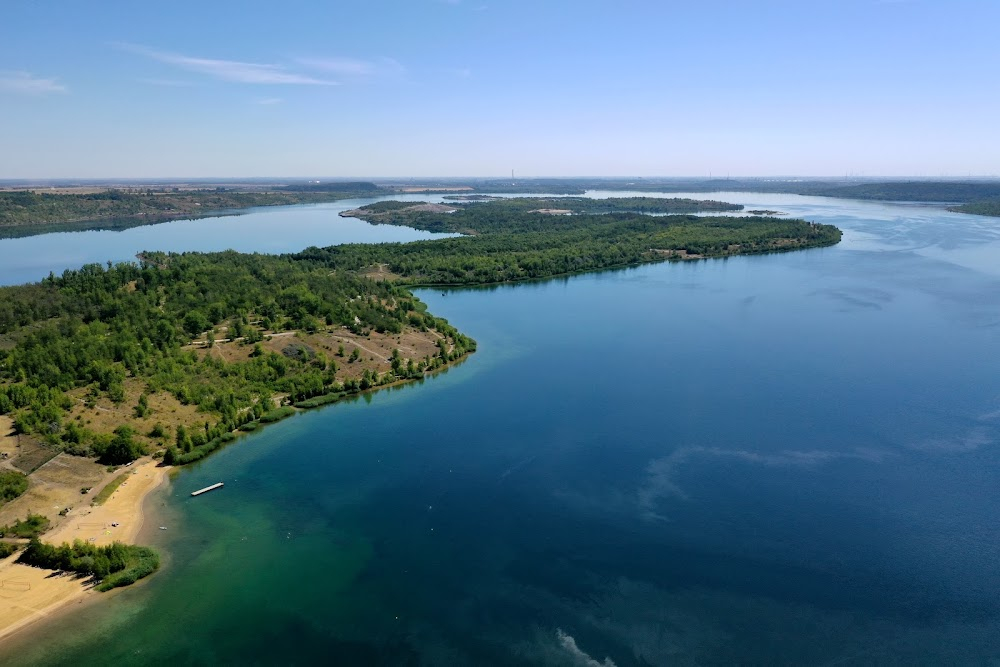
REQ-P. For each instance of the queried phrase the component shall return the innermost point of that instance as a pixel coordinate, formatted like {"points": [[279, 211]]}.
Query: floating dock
{"points": [[207, 489]]}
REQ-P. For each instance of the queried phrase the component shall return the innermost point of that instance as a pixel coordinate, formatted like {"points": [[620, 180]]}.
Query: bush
{"points": [[141, 562], [33, 526], [113, 565], [12, 484], [318, 401], [277, 415]]}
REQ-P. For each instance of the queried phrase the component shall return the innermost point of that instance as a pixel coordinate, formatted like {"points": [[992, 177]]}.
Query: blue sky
{"points": [[480, 87]]}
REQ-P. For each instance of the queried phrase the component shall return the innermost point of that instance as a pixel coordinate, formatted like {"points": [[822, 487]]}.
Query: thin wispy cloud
{"points": [[353, 67], [168, 83], [269, 101], [230, 70], [24, 83]]}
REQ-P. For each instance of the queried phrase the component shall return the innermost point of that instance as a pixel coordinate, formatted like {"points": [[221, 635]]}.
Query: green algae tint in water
{"points": [[787, 459]]}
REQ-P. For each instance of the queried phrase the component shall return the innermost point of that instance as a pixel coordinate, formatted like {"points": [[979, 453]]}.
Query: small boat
{"points": [[163, 527]]}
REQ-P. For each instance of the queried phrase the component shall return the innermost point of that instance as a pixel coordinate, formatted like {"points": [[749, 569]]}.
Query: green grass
{"points": [[112, 486]]}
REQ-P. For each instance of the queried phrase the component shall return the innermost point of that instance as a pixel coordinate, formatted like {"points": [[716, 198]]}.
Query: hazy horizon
{"points": [[98, 180]]}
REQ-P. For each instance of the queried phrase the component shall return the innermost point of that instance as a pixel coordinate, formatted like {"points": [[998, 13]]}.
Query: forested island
{"points": [[509, 240], [172, 356]]}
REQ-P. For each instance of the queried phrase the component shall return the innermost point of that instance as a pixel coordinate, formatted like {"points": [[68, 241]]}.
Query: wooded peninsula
{"points": [[175, 354]]}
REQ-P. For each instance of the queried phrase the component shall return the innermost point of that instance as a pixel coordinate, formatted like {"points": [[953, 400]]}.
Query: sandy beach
{"points": [[29, 594]]}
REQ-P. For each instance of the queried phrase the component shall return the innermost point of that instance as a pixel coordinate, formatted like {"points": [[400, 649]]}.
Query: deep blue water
{"points": [[783, 459]]}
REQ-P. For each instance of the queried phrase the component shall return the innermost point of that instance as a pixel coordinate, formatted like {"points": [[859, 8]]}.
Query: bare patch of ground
{"points": [[8, 439], [56, 486], [553, 211], [379, 272], [374, 349], [31, 454], [677, 254], [103, 416], [374, 216]]}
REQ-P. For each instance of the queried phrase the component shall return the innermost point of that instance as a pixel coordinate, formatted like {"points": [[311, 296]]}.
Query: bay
{"points": [[781, 459]]}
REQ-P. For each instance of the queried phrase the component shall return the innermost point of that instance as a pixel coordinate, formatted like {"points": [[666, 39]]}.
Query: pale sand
{"points": [[8, 441], [28, 594]]}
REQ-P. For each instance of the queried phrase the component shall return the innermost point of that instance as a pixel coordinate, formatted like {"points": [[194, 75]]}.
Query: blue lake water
{"points": [[268, 229], [782, 459]]}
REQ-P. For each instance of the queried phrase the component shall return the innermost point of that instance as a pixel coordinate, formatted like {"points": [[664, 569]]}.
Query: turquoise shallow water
{"points": [[786, 459]]}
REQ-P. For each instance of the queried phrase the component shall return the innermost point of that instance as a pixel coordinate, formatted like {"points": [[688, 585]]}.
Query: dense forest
{"points": [[84, 335], [642, 205], [26, 207], [504, 241]]}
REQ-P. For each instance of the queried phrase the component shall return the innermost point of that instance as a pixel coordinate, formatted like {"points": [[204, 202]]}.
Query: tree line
{"points": [[98, 326], [28, 207]]}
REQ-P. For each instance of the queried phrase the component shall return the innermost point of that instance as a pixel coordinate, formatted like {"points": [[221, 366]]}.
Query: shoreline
{"points": [[29, 595], [52, 594]]}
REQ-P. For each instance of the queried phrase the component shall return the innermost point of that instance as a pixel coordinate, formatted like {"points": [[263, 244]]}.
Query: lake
{"points": [[780, 459], [275, 229]]}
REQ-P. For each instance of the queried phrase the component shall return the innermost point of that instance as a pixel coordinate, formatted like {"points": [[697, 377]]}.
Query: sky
{"points": [[423, 88]]}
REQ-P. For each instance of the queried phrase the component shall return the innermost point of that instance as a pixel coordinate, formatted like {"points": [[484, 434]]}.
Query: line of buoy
{"points": [[207, 489]]}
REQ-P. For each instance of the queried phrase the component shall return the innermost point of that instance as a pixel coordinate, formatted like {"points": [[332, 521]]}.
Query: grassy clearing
{"points": [[112, 486]]}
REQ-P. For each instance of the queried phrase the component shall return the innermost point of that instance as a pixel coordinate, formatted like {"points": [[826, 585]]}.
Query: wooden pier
{"points": [[207, 489]]}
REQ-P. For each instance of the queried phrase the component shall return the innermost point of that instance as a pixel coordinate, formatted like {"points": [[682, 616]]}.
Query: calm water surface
{"points": [[268, 229], [786, 459]]}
